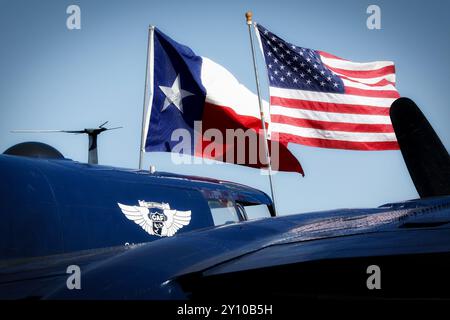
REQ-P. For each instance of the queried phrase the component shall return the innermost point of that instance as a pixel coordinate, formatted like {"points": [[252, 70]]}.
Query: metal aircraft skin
{"points": [[141, 235]]}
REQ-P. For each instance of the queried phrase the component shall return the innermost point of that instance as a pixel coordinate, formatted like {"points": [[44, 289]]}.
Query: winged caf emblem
{"points": [[156, 218]]}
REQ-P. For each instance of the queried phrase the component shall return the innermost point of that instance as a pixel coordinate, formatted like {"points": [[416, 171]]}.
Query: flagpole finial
{"points": [[249, 16]]}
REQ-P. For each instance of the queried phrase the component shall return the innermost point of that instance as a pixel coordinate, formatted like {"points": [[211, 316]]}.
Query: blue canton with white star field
{"points": [[294, 67]]}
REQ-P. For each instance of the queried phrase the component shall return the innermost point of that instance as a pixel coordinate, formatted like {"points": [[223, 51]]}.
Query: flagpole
{"points": [[248, 16], [146, 110]]}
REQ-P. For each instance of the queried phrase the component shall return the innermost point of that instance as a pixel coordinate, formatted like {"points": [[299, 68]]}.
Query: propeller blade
{"points": [[425, 156], [74, 131], [101, 126], [114, 128], [47, 131], [31, 131]]}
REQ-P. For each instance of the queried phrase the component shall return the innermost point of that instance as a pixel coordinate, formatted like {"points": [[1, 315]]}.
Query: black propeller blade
{"points": [[426, 158]]}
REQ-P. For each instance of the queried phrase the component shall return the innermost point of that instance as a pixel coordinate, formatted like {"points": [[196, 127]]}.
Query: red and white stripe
{"points": [[230, 105], [357, 119]]}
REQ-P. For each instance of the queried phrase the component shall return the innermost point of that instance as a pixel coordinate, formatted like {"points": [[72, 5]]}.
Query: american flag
{"points": [[320, 100]]}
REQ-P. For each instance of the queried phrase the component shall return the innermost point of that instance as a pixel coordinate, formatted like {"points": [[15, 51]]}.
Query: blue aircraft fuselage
{"points": [[52, 207], [57, 214]]}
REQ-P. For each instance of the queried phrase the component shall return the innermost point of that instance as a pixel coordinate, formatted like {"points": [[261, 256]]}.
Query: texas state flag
{"points": [[184, 89]]}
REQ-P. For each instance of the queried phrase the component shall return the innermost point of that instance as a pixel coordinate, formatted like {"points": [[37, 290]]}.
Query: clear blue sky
{"points": [[53, 78]]}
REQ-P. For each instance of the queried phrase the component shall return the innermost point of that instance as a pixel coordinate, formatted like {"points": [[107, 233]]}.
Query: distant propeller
{"points": [[91, 132]]}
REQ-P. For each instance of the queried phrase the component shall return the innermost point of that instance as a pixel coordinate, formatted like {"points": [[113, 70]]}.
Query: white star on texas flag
{"points": [[175, 95]]}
